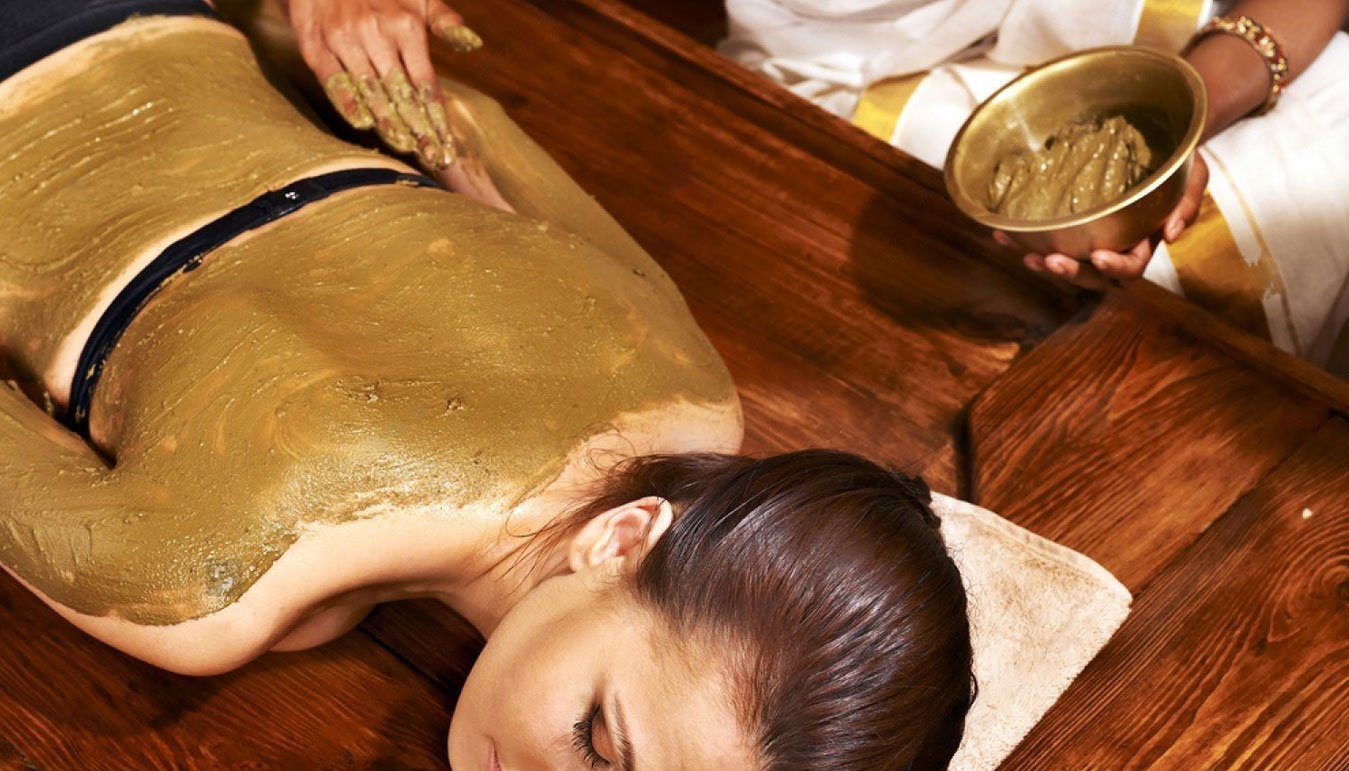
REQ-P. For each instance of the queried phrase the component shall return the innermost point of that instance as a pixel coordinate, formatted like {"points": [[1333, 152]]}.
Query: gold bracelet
{"points": [[1260, 38]]}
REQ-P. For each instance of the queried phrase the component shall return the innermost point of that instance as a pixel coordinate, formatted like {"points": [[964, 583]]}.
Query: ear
{"points": [[621, 535]]}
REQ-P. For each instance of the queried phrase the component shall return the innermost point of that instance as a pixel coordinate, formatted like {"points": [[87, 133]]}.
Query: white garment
{"points": [[829, 50], [1282, 182]]}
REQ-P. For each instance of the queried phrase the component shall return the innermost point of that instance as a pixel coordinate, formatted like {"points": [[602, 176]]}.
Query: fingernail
{"points": [[342, 93], [435, 112], [431, 153], [406, 104], [398, 137], [429, 150], [460, 37], [397, 86], [390, 128], [409, 108], [1099, 260], [1173, 229]]}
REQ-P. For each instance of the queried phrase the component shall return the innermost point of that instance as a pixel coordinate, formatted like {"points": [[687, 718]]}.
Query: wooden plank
{"points": [[67, 702], [754, 96], [1237, 656], [883, 166], [429, 637], [1123, 439], [12, 759], [1299, 374], [702, 20]]}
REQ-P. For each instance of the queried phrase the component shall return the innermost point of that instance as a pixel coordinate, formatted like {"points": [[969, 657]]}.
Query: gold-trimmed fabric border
{"points": [[1265, 257], [1214, 274], [1167, 25], [882, 104]]}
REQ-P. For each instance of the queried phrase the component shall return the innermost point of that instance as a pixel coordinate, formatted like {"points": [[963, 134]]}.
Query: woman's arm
{"points": [[502, 166], [52, 485]]}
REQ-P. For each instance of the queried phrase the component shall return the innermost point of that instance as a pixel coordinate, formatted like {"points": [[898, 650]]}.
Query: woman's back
{"points": [[397, 348], [117, 146], [389, 349]]}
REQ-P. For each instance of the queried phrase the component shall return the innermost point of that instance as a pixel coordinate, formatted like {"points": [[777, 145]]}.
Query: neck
{"points": [[502, 568]]}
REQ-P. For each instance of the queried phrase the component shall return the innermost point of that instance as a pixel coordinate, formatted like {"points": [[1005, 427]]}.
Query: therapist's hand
{"points": [[373, 59], [1106, 265]]}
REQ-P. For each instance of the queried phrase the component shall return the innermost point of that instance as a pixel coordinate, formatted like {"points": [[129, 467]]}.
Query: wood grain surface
{"points": [[1125, 440], [671, 46], [1237, 656], [702, 20], [856, 309]]}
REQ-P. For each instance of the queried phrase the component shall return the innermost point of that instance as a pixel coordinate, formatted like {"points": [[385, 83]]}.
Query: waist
{"points": [[126, 142], [185, 254]]}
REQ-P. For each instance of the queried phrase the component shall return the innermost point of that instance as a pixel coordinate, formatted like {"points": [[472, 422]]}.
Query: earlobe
{"points": [[623, 533]]}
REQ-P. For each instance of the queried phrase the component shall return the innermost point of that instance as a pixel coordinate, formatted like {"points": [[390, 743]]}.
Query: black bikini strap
{"points": [[185, 254]]}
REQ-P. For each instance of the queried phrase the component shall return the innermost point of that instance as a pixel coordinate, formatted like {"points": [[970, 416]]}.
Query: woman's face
{"points": [[577, 676]]}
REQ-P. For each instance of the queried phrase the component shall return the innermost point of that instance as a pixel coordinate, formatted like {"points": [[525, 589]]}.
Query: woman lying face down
{"points": [[373, 395], [715, 611]]}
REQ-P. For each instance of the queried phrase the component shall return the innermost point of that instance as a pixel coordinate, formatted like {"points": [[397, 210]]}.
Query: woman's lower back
{"points": [[117, 146]]}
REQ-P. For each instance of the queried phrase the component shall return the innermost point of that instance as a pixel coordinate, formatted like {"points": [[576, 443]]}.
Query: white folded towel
{"points": [[1039, 612]]}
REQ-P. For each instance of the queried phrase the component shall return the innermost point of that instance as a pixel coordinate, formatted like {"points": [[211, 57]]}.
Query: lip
{"points": [[493, 763]]}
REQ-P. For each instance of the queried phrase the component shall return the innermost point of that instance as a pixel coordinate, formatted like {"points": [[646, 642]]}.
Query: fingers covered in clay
{"points": [[449, 26], [434, 101], [417, 94], [337, 82], [373, 58], [377, 86], [341, 91], [459, 37], [409, 106], [390, 126]]}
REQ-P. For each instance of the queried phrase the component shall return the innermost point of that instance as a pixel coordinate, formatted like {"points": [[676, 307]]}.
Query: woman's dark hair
{"points": [[831, 573]]}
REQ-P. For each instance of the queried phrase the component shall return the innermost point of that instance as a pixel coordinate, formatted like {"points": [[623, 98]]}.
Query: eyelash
{"points": [[582, 738]]}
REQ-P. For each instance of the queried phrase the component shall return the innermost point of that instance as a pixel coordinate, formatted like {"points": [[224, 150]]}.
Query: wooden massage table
{"points": [[856, 309]]}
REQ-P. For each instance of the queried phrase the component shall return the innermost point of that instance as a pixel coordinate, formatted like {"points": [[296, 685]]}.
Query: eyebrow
{"points": [[624, 741]]}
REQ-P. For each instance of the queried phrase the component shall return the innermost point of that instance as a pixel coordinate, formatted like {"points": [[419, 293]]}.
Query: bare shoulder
{"points": [[327, 563], [670, 428], [683, 426], [333, 571], [211, 645]]}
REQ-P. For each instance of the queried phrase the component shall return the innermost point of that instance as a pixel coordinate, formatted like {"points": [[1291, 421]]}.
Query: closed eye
{"points": [[583, 738]]}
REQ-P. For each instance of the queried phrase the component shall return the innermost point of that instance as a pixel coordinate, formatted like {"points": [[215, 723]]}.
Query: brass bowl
{"points": [[1160, 94]]}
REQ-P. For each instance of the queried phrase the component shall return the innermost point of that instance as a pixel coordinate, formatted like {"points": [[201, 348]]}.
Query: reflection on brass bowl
{"points": [[1158, 93]]}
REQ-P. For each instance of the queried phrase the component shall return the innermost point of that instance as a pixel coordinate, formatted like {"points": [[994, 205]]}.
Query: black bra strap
{"points": [[187, 253]]}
